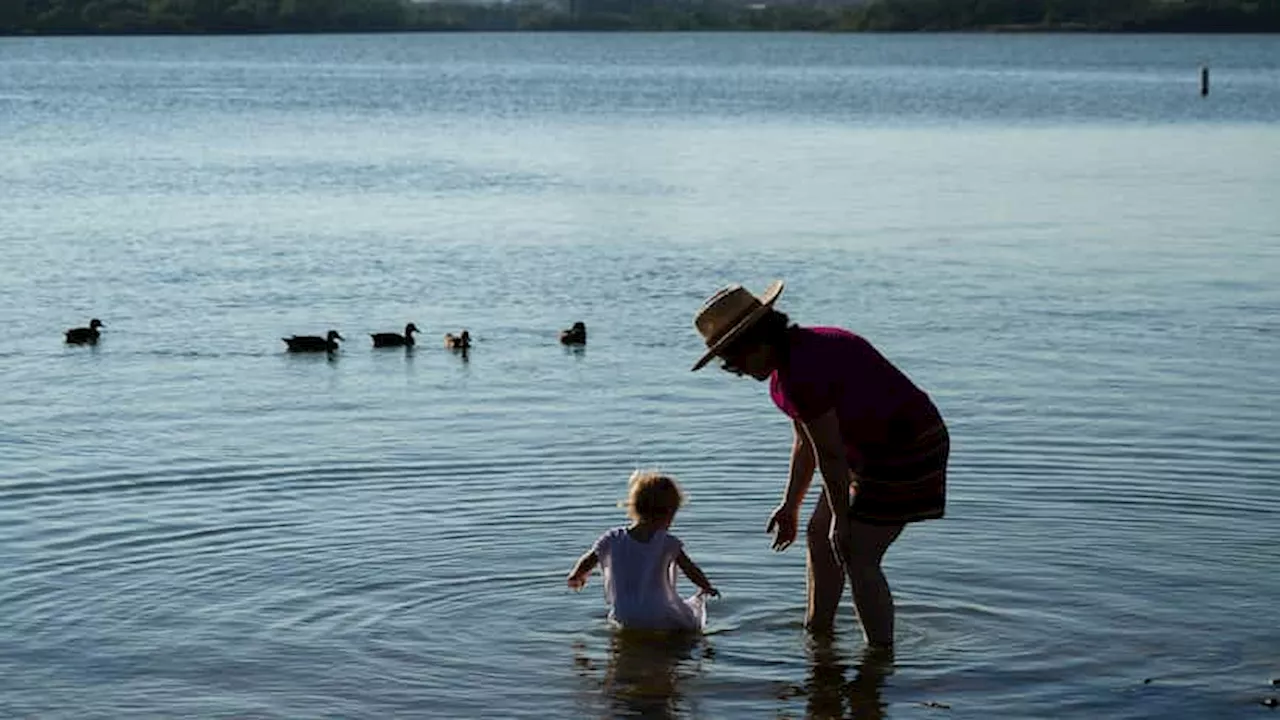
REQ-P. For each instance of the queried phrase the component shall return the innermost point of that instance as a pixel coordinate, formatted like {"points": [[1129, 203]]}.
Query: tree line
{"points": [[1094, 15], [40, 17]]}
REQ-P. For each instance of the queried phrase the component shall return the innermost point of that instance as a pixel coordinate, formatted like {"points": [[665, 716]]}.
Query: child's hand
{"points": [[577, 578], [708, 590]]}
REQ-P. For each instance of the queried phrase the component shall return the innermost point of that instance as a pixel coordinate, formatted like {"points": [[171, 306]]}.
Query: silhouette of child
{"points": [[640, 562]]}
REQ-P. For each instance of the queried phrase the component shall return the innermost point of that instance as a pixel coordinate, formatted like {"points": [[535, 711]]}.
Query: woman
{"points": [[874, 436]]}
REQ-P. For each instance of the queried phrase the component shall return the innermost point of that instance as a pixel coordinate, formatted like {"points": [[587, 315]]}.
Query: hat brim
{"points": [[767, 299]]}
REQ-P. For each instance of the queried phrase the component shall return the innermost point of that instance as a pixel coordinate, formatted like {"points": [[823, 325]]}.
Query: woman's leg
{"points": [[825, 576], [871, 595]]}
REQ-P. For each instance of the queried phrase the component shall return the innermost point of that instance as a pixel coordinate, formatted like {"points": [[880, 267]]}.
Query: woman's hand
{"points": [[785, 519], [576, 582]]}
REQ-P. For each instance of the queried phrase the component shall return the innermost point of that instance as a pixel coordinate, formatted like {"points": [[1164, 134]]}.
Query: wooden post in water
{"points": [[1204, 80]]}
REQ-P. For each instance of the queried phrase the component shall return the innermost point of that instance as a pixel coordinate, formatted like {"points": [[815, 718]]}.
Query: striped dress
{"points": [[895, 440]]}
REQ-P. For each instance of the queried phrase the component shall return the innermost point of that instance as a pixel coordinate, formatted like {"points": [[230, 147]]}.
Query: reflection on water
{"points": [[645, 671], [832, 693], [652, 675]]}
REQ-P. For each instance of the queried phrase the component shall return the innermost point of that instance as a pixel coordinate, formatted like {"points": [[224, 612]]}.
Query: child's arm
{"points": [[694, 573], [578, 576]]}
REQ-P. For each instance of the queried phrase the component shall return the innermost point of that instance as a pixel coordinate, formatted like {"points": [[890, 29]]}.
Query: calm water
{"points": [[1056, 236]]}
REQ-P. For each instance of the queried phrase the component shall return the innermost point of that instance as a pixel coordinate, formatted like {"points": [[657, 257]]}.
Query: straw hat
{"points": [[728, 314]]}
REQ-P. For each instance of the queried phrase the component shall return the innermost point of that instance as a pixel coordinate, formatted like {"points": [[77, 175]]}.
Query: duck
{"points": [[313, 343], [458, 342], [395, 339], [85, 335], [576, 335]]}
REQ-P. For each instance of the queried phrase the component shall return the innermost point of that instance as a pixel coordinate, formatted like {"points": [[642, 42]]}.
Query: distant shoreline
{"points": [[297, 17], [989, 30]]}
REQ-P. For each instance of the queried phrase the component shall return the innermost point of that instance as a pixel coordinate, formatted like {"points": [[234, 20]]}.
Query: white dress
{"points": [[640, 583]]}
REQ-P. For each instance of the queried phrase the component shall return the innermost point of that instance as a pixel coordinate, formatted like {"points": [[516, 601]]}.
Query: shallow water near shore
{"points": [[1073, 252]]}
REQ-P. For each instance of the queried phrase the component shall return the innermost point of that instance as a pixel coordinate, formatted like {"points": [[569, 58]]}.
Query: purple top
{"points": [[878, 407]]}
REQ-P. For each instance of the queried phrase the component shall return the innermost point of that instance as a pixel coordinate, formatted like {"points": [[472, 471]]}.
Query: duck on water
{"points": [[389, 339], [313, 343], [85, 335], [576, 335]]}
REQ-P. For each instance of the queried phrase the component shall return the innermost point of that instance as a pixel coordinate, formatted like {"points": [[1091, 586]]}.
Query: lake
{"points": [[1073, 252]]}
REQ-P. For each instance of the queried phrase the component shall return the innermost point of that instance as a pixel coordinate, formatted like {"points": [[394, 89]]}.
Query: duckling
{"points": [[576, 335], [85, 335], [395, 339], [458, 342], [313, 343]]}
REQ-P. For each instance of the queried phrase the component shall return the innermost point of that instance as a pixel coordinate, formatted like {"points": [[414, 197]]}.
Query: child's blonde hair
{"points": [[652, 496]]}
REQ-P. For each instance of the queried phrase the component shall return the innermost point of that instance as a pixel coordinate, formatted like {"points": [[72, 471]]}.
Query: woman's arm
{"points": [[802, 466], [829, 451], [833, 463], [694, 573], [578, 576], [786, 517]]}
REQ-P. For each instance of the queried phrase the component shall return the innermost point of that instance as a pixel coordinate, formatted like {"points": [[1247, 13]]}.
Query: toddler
{"points": [[640, 562]]}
